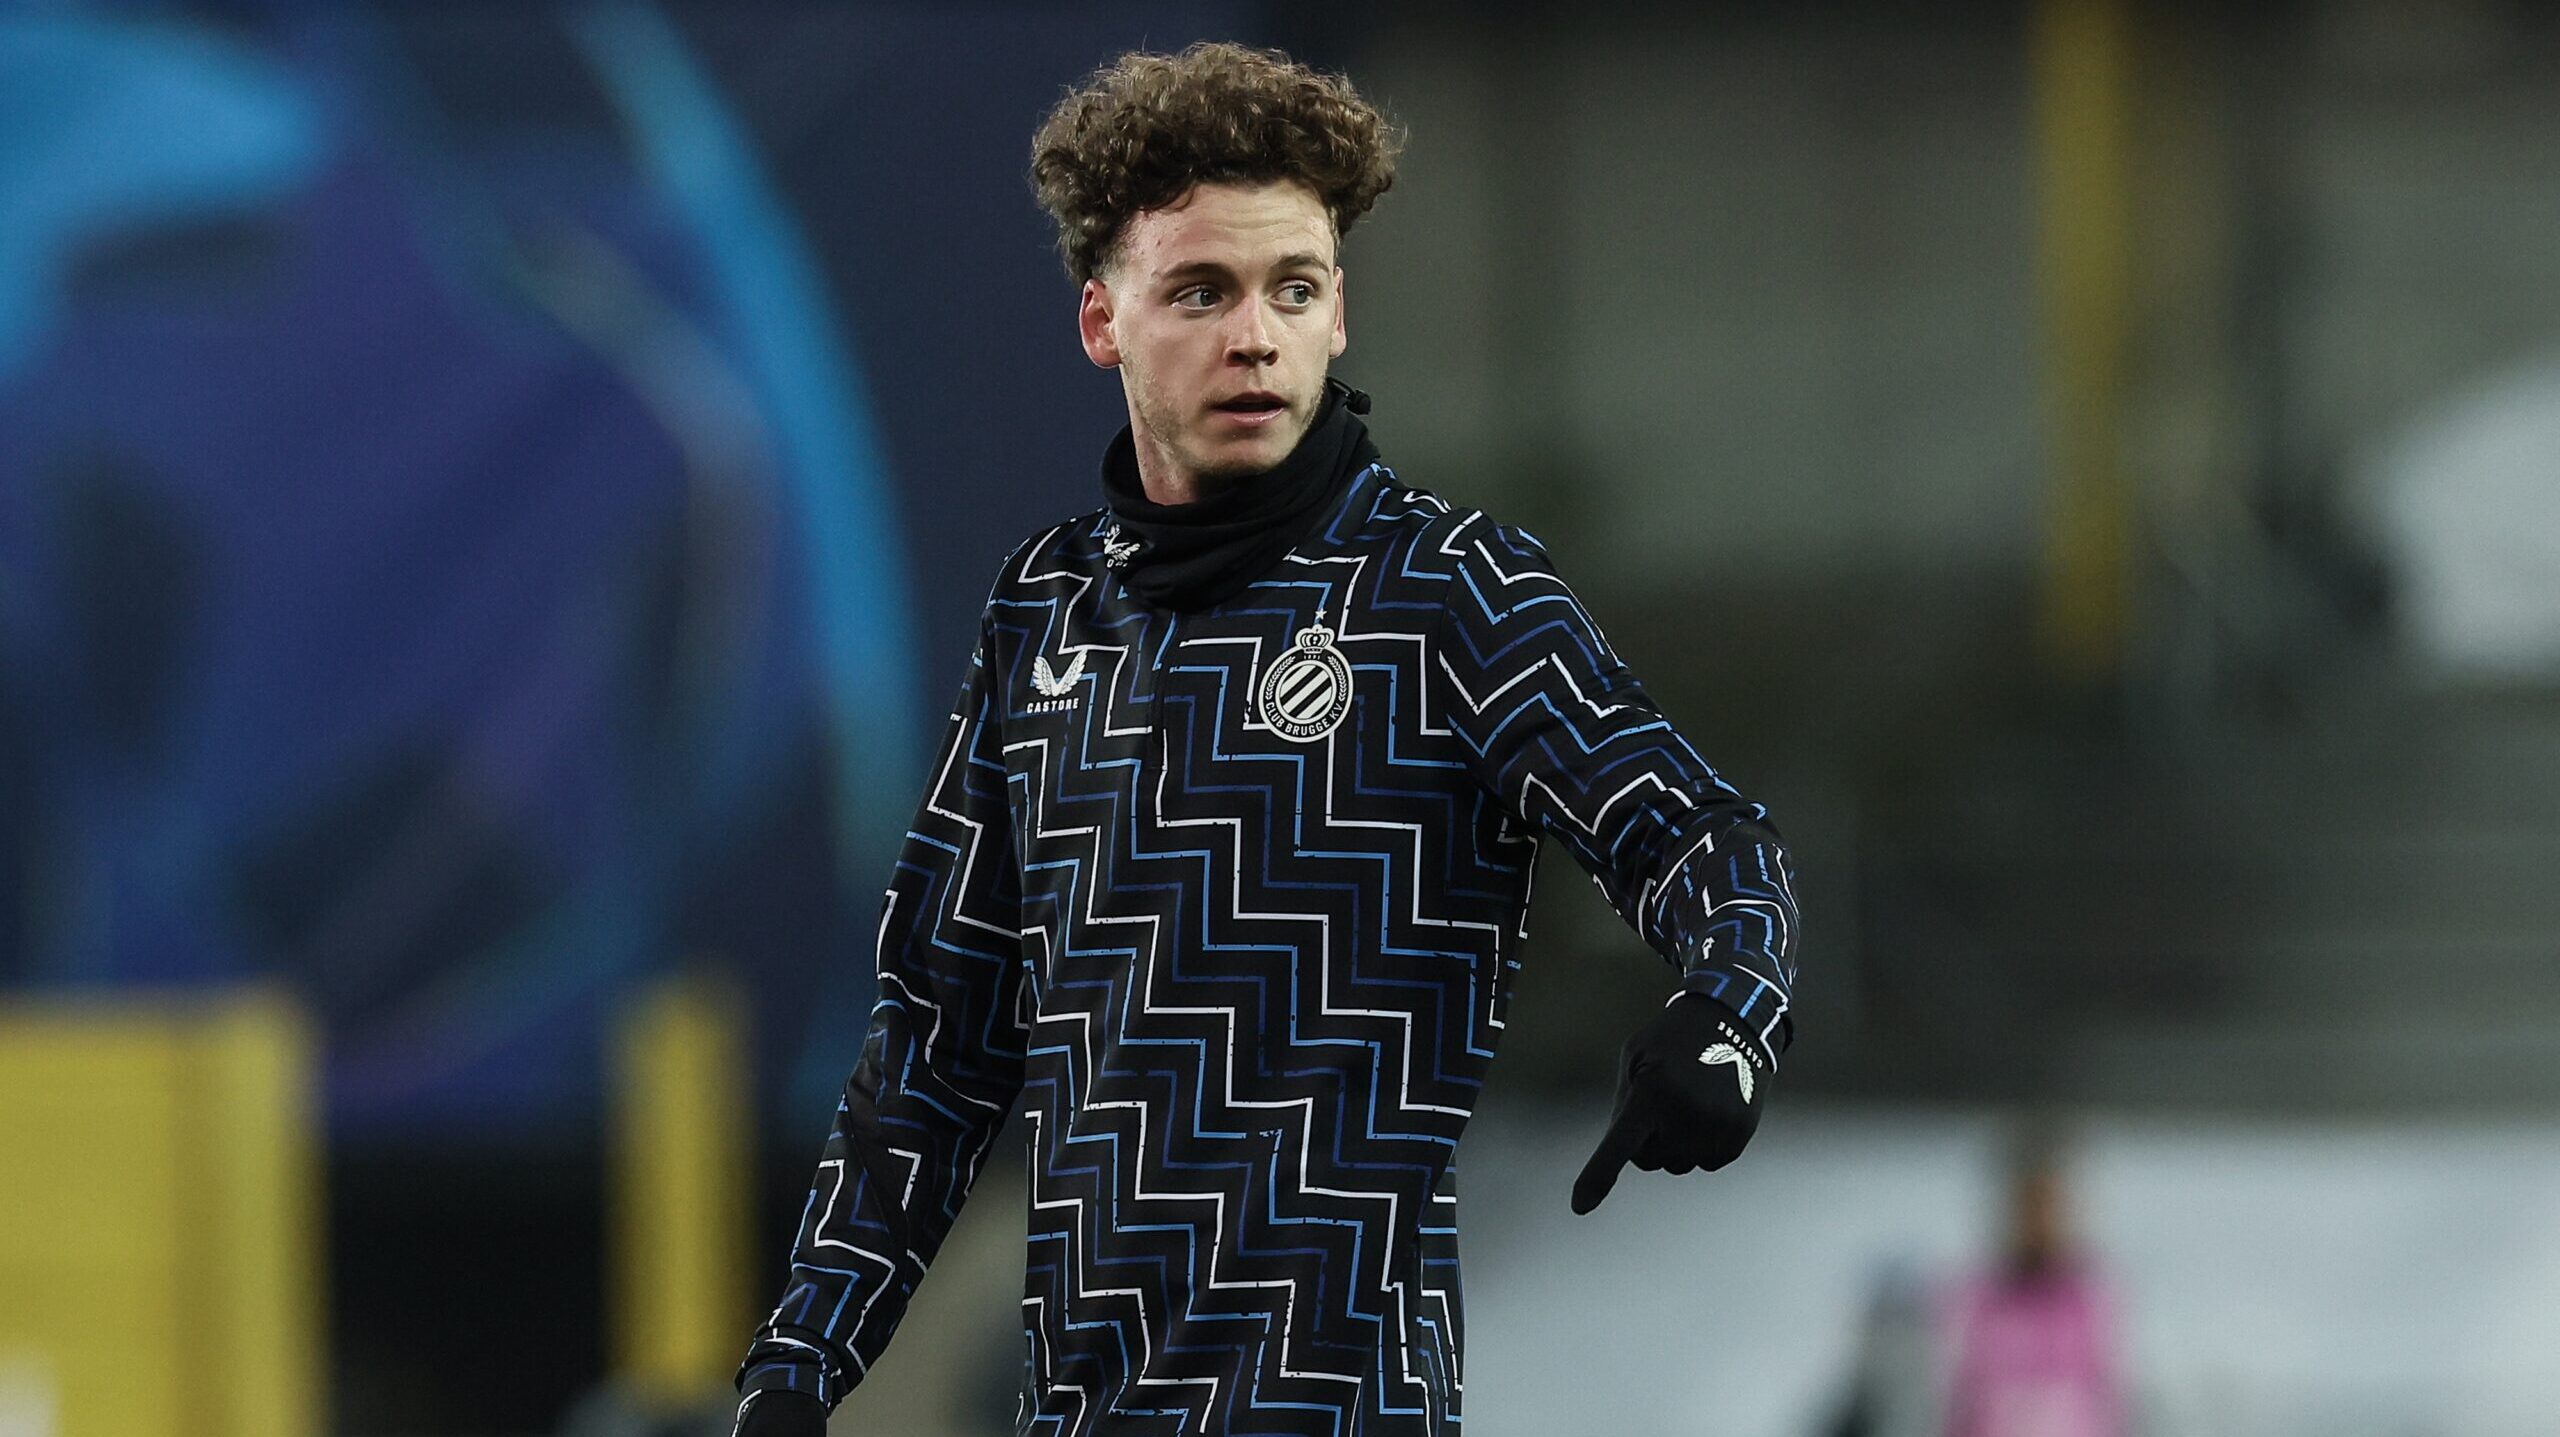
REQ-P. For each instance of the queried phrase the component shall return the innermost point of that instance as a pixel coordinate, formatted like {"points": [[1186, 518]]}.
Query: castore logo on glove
{"points": [[1727, 1053]]}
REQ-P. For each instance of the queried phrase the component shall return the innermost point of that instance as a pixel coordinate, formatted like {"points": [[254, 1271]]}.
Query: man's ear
{"points": [[1093, 323], [1341, 300]]}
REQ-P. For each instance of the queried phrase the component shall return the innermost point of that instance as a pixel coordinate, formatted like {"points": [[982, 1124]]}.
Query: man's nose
{"points": [[1249, 337]]}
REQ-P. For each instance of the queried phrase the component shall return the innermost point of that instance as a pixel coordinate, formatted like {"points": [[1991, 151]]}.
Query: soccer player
{"points": [[1221, 873]]}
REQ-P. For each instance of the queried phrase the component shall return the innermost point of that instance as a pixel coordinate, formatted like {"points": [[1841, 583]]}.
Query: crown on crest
{"points": [[1316, 635]]}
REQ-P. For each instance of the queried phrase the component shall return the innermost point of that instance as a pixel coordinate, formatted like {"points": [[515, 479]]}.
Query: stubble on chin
{"points": [[1250, 461], [1195, 449]]}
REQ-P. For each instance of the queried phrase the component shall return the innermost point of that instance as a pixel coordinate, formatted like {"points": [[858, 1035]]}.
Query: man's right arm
{"points": [[939, 1071]]}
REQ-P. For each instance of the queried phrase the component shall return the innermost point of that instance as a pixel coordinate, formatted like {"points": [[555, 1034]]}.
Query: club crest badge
{"points": [[1116, 551], [1307, 690]]}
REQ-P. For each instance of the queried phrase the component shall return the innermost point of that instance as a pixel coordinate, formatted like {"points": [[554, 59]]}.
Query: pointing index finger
{"points": [[1617, 1146]]}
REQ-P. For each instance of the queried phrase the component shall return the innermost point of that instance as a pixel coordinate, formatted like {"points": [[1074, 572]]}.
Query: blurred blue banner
{"points": [[491, 501]]}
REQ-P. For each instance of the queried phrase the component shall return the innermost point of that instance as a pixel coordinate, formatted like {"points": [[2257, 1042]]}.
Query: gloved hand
{"points": [[1690, 1087], [779, 1412]]}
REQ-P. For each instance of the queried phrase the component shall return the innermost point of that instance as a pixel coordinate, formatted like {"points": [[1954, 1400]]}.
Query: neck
{"points": [[1190, 540]]}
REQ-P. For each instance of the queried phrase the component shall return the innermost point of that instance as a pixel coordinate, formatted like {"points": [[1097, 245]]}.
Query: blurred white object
{"points": [[2464, 503], [27, 1405]]}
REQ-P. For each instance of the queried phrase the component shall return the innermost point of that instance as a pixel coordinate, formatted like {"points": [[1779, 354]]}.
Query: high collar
{"points": [[1191, 556]]}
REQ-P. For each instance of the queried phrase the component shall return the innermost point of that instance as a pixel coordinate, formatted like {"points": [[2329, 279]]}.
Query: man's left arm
{"points": [[1560, 730]]}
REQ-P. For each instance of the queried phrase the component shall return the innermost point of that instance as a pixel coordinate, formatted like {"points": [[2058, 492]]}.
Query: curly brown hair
{"points": [[1146, 128]]}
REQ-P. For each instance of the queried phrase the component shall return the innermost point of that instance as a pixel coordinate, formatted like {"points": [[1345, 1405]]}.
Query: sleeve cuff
{"points": [[778, 1411], [794, 1369], [1747, 1004]]}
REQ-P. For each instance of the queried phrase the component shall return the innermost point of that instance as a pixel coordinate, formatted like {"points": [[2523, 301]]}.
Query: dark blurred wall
{"points": [[1743, 311]]}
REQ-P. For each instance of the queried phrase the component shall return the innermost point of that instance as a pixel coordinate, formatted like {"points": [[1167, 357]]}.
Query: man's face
{"points": [[1221, 311]]}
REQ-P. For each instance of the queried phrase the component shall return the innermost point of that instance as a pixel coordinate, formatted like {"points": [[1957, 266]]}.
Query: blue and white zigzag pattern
{"points": [[1247, 986]]}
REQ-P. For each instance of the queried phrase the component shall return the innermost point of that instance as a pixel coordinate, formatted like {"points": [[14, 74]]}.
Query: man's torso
{"points": [[1269, 919]]}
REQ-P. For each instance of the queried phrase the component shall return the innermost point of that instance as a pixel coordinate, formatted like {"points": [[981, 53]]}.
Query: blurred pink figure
{"points": [[2035, 1352]]}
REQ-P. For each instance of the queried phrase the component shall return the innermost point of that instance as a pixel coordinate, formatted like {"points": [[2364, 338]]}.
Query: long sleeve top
{"points": [[1229, 903]]}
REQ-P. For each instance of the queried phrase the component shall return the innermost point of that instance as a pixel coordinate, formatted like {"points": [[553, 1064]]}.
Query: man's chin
{"points": [[1245, 456]]}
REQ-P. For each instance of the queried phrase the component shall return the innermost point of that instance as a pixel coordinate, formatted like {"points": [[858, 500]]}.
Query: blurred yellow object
{"points": [[678, 1201], [2082, 53], [160, 1218]]}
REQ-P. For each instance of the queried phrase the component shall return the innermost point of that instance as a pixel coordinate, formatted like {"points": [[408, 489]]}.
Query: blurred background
{"points": [[493, 498]]}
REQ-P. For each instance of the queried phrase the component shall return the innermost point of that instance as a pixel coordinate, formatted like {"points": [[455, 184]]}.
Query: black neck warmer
{"points": [[1190, 556]]}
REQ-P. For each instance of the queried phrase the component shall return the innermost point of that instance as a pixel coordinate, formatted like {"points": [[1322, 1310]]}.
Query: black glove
{"points": [[780, 1412], [1689, 1095]]}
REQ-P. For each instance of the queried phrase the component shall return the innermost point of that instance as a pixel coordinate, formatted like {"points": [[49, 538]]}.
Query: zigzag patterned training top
{"points": [[1229, 903]]}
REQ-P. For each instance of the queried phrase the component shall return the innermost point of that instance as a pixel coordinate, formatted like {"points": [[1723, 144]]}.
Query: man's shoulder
{"points": [[1441, 539], [1071, 548]]}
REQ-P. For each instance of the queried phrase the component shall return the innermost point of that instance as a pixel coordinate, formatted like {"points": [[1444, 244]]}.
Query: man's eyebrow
{"points": [[1194, 269], [1212, 269]]}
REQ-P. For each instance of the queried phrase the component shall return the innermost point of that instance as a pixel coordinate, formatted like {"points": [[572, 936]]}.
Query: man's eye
{"points": [[1298, 291], [1199, 296]]}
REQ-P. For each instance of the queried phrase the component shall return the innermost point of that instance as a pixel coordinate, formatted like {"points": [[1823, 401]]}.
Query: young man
{"points": [[1222, 871]]}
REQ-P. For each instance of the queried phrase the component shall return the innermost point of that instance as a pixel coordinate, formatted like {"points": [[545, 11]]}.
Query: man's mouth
{"points": [[1253, 408]]}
